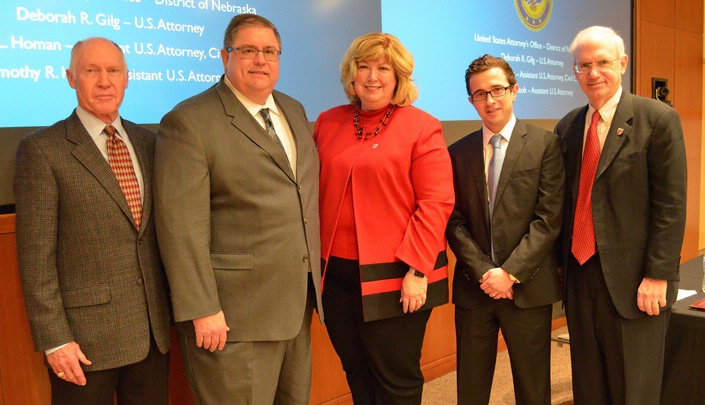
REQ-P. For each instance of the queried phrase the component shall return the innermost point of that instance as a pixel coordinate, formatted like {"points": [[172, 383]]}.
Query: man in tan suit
{"points": [[236, 192], [88, 258]]}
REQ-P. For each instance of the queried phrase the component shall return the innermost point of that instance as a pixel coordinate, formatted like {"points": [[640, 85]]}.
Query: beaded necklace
{"points": [[369, 134]]}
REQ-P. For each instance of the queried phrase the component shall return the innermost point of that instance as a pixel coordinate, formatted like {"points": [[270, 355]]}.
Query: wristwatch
{"points": [[416, 272]]}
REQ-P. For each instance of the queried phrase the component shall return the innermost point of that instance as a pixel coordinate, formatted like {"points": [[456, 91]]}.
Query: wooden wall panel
{"points": [[688, 102], [691, 240], [655, 56], [23, 376], [669, 44], [330, 386], [687, 88], [689, 15], [658, 11]]}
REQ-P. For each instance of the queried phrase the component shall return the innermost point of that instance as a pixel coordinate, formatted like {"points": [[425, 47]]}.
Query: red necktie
{"points": [[121, 163], [583, 227]]}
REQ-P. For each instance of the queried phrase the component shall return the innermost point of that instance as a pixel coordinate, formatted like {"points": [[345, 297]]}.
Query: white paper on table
{"points": [[685, 294]]}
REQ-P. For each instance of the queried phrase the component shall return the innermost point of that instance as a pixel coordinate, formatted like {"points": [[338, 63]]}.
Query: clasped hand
{"points": [[497, 284]]}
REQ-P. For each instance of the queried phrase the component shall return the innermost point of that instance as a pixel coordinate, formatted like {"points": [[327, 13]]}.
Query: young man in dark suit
{"points": [[88, 258], [622, 229], [509, 195]]}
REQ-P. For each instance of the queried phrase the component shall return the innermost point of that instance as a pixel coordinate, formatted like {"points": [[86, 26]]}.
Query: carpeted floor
{"points": [[441, 391]]}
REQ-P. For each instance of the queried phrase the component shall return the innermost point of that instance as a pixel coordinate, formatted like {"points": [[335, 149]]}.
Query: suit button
{"points": [[139, 281], [305, 258], [305, 220]]}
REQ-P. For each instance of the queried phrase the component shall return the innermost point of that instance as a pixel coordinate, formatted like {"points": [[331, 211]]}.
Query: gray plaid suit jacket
{"points": [[87, 273]]}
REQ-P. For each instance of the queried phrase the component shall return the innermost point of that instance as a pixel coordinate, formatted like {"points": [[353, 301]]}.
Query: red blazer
{"points": [[403, 195]]}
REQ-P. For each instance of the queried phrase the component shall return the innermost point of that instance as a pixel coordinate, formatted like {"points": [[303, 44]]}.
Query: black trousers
{"points": [[614, 360], [527, 332], [381, 358], [144, 382]]}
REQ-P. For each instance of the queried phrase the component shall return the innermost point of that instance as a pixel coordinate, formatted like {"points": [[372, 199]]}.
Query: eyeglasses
{"points": [[497, 92], [250, 52], [600, 65]]}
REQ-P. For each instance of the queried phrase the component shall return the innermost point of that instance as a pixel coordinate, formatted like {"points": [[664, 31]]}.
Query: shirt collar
{"points": [[95, 126], [506, 132], [609, 109], [252, 107]]}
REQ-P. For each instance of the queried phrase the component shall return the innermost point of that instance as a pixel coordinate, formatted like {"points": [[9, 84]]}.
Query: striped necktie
{"points": [[270, 127]]}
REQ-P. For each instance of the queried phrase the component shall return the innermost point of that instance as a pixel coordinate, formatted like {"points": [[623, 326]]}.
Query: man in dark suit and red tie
{"points": [[622, 229], [509, 195], [92, 278]]}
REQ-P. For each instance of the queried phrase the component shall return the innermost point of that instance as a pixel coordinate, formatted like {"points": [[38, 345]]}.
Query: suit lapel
{"points": [[139, 144], [88, 154], [574, 153], [476, 161], [617, 134], [299, 129], [246, 123], [514, 150]]}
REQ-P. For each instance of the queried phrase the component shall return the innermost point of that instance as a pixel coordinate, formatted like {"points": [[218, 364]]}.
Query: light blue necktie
{"points": [[495, 169]]}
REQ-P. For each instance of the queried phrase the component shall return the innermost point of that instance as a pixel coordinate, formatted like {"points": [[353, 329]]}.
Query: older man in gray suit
{"points": [[88, 258], [237, 216]]}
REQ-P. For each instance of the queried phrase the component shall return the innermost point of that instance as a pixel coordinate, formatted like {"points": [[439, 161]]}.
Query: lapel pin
{"points": [[620, 131], [375, 146]]}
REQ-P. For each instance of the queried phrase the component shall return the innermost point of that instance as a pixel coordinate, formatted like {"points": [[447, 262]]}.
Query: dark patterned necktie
{"points": [[270, 127], [121, 164]]}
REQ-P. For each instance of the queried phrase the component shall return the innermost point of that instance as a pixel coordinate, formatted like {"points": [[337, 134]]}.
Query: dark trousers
{"points": [[381, 358], [144, 382], [614, 360], [527, 332]]}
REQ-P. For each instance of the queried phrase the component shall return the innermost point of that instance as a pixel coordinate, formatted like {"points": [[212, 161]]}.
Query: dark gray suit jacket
{"points": [[526, 220], [88, 274], [237, 230], [638, 196]]}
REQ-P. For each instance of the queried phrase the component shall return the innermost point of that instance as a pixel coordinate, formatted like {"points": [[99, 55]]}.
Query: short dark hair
{"points": [[487, 62], [247, 20]]}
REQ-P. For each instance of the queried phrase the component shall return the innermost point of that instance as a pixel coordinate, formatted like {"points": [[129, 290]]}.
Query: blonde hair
{"points": [[379, 46]]}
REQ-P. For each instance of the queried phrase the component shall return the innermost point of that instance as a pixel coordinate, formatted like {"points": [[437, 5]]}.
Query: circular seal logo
{"points": [[534, 13]]}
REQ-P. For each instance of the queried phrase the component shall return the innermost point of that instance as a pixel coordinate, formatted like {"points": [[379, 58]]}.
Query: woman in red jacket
{"points": [[385, 198]]}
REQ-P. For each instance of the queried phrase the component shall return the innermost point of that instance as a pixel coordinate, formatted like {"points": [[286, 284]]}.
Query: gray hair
{"points": [[608, 36]]}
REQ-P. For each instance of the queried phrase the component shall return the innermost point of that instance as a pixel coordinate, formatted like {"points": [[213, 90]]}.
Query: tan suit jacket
{"points": [[237, 230], [88, 274]]}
